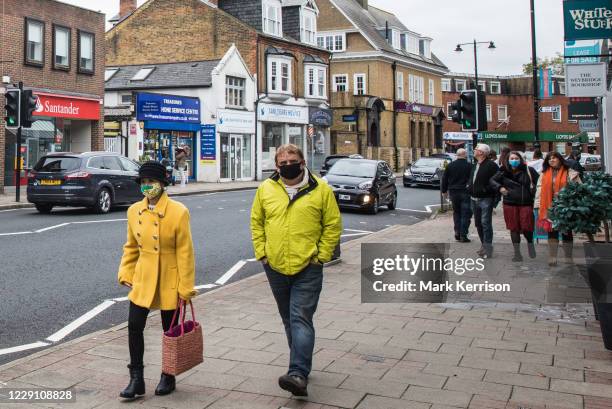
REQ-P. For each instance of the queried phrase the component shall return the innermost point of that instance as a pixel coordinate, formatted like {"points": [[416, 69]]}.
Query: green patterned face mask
{"points": [[151, 191]]}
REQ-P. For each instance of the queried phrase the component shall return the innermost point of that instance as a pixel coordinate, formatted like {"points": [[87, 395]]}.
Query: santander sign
{"points": [[61, 106]]}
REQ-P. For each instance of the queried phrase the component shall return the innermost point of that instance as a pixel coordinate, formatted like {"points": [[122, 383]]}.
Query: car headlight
{"points": [[407, 172], [365, 185], [436, 176]]}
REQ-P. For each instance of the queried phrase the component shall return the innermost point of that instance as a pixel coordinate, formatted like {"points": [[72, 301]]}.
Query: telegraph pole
{"points": [[18, 153]]}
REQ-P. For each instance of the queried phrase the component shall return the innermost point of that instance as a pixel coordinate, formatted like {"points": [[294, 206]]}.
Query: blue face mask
{"points": [[515, 163]]}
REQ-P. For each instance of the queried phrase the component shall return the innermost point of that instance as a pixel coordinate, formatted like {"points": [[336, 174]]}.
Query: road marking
{"points": [[242, 210], [220, 208], [62, 333], [20, 348], [100, 221], [15, 210], [230, 273], [122, 299], [51, 228], [205, 286], [354, 234], [414, 210], [359, 231], [251, 260], [363, 222], [16, 234]]}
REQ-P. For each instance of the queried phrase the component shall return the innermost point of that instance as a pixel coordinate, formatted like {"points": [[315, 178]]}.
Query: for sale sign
{"points": [[585, 80]]}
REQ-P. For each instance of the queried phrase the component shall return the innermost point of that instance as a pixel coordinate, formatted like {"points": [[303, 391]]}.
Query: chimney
{"points": [[127, 7], [363, 3]]}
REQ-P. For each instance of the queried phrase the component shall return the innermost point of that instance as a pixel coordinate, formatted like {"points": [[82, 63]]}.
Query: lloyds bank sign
{"points": [[587, 19]]}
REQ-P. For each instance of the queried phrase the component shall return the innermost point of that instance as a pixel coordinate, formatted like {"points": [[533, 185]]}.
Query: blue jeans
{"points": [[297, 298], [462, 212], [483, 218]]}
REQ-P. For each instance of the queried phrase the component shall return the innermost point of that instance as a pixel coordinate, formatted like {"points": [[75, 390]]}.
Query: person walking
{"points": [[181, 156], [556, 175], [483, 197], [295, 227], [537, 162], [157, 266], [517, 182], [454, 184]]}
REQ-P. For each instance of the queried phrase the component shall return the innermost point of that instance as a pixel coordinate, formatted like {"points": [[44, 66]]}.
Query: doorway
{"points": [[234, 159]]}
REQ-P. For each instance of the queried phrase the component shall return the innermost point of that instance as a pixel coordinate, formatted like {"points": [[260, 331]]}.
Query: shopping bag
{"points": [[182, 344]]}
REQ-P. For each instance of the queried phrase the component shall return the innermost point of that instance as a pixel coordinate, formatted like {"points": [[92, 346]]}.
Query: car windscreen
{"points": [[429, 163], [332, 161], [349, 167], [57, 164]]}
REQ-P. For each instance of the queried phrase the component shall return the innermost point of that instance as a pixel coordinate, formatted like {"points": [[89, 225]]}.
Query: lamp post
{"points": [[475, 45]]}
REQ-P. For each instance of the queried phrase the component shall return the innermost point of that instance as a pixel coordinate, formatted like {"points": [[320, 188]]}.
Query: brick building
{"points": [[384, 76], [510, 120], [291, 71], [57, 50]]}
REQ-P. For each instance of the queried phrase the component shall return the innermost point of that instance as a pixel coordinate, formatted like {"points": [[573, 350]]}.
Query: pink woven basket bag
{"points": [[182, 344]]}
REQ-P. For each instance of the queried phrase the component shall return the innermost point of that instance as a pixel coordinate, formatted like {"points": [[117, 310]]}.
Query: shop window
{"points": [[341, 83], [360, 86], [86, 52], [61, 47], [34, 42], [234, 91], [316, 86], [272, 138]]}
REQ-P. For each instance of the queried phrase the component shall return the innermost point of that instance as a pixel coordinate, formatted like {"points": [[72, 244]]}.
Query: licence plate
{"points": [[52, 182], [344, 197], [421, 179]]}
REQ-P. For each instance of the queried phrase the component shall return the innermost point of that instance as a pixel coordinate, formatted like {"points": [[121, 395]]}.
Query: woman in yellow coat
{"points": [[158, 265]]}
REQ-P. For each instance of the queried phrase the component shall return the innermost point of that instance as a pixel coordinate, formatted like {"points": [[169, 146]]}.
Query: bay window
{"points": [[279, 75]]}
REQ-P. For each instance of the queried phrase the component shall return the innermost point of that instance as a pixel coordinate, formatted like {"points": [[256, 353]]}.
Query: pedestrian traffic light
{"points": [[28, 106], [455, 112], [469, 110], [12, 107]]}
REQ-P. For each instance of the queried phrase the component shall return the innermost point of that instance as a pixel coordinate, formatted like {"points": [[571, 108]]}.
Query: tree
{"points": [[557, 64]]}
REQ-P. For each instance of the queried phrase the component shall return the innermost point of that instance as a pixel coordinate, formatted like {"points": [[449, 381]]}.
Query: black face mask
{"points": [[291, 171]]}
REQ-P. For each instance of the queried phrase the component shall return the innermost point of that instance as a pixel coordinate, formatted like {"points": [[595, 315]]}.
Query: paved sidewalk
{"points": [[7, 200], [368, 356]]}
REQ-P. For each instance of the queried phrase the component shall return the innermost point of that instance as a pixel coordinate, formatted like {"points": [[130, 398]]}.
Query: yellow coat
{"points": [[158, 258]]}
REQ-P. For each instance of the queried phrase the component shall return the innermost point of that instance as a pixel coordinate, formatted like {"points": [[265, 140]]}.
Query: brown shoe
{"points": [[295, 384]]}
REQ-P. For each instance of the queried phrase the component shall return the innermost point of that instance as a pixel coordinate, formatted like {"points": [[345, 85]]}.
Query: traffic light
{"points": [[12, 107], [455, 112], [469, 110], [482, 111], [28, 106]]}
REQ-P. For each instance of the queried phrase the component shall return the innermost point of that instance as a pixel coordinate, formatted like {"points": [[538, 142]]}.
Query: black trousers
{"points": [[137, 321]]}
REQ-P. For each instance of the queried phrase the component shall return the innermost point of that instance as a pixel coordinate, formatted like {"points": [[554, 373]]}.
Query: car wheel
{"points": [[44, 208], [393, 202], [104, 202], [374, 208]]}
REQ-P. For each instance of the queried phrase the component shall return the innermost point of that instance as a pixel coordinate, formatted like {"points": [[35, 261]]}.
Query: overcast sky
{"points": [[504, 21]]}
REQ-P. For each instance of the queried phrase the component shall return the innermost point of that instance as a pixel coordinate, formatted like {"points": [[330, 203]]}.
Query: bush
{"points": [[583, 207]]}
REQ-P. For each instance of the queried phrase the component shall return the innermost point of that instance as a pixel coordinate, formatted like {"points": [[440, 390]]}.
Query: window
{"points": [[61, 47], [111, 163], [86, 52], [272, 17], [341, 83], [279, 80], [502, 112], [128, 165], [331, 42], [489, 113], [432, 93], [416, 89], [561, 88], [556, 115], [315, 82], [412, 44], [96, 163], [143, 74], [400, 86], [309, 27], [460, 85], [34, 42], [426, 48], [126, 99], [396, 40], [109, 73], [495, 87], [449, 111], [482, 85], [446, 85], [234, 91], [411, 88], [360, 86]]}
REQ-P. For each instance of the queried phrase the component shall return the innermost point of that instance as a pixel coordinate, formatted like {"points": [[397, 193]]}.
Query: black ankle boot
{"points": [[136, 387], [532, 250], [518, 257], [167, 385]]}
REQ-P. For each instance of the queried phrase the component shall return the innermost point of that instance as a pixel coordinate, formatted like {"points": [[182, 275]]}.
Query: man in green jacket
{"points": [[295, 226]]}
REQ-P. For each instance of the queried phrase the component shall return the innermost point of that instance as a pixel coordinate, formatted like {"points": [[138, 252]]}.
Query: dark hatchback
{"points": [[363, 184], [331, 159], [98, 180], [425, 171]]}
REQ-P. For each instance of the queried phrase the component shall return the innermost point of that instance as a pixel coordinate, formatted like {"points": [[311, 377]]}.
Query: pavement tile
{"points": [[413, 343], [323, 378], [327, 333], [212, 380], [384, 387], [56, 379], [484, 402], [529, 368], [432, 357], [414, 376], [110, 351], [455, 371], [494, 364], [249, 355], [472, 332], [593, 402], [334, 397], [598, 377], [380, 402], [429, 337], [438, 327], [439, 396], [215, 351], [442, 316], [384, 351], [262, 387], [492, 390], [185, 397], [594, 364], [528, 381], [335, 344], [499, 344], [359, 366], [352, 326], [254, 370], [581, 344], [467, 351], [515, 356], [369, 339], [530, 396], [564, 352], [581, 388]]}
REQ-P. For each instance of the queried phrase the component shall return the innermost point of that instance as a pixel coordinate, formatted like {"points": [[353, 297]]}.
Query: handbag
{"points": [[182, 344], [545, 225]]}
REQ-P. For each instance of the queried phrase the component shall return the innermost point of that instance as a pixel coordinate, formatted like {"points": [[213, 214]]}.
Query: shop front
{"points": [[318, 140], [63, 124], [524, 141], [236, 130], [278, 125], [170, 122]]}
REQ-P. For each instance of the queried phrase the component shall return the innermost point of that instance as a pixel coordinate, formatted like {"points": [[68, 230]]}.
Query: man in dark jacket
{"points": [[454, 185], [483, 197]]}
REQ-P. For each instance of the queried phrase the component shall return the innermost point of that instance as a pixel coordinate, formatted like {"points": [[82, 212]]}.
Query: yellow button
{"points": [[154, 237]]}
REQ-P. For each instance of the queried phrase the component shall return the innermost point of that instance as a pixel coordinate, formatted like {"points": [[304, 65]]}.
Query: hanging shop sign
{"points": [[320, 117], [587, 19], [582, 108], [585, 80], [403, 106]]}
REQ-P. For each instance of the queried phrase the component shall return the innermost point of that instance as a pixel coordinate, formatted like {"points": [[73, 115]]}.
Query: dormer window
{"points": [[396, 39], [412, 44], [272, 17], [425, 47], [309, 26]]}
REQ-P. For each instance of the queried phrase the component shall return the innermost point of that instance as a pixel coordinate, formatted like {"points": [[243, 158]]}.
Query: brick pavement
{"points": [[367, 356]]}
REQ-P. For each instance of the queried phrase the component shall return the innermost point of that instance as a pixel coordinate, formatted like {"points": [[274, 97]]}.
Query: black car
{"points": [[425, 171], [98, 180], [363, 184], [331, 159]]}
